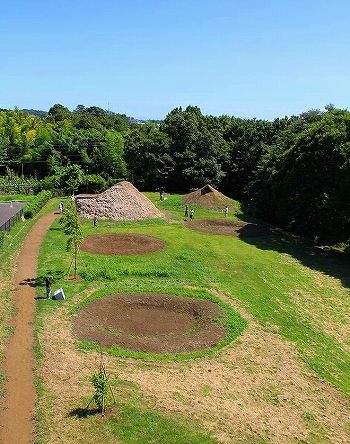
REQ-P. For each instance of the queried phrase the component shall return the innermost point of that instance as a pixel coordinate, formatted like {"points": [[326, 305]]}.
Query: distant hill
{"points": [[35, 112], [43, 114], [141, 121]]}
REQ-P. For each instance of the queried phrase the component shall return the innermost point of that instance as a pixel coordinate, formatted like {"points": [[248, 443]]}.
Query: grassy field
{"points": [[285, 379]]}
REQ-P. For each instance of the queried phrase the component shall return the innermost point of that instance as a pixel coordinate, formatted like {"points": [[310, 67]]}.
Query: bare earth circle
{"points": [[228, 227], [121, 244], [150, 322]]}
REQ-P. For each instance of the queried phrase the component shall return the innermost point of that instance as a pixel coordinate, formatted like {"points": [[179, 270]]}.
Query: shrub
{"points": [[37, 203], [48, 183], [93, 183]]}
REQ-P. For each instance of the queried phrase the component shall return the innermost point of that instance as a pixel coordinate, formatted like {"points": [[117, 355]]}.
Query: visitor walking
{"points": [[191, 214], [186, 211], [48, 281]]}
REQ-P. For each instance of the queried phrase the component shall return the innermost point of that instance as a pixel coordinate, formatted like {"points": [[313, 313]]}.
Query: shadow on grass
{"points": [[84, 412], [329, 261]]}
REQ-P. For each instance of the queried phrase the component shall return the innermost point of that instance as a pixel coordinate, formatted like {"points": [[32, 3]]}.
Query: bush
{"points": [[48, 183], [36, 204], [2, 237], [93, 184]]}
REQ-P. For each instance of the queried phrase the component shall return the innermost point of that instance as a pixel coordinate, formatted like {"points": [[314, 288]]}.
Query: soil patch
{"points": [[150, 322], [121, 244], [229, 227]]}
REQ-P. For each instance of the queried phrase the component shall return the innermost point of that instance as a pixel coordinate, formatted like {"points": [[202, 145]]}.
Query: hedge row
{"points": [[2, 237], [36, 204]]}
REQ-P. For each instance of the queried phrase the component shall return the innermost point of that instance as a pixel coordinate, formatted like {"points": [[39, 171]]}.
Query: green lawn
{"points": [[300, 293]]}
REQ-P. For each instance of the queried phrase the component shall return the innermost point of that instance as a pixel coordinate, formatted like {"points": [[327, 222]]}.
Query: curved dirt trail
{"points": [[17, 417]]}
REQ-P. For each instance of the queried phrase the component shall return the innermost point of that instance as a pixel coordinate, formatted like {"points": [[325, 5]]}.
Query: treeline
{"points": [[293, 172]]}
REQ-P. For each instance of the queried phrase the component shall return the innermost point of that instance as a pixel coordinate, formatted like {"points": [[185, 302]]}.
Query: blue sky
{"points": [[243, 58]]}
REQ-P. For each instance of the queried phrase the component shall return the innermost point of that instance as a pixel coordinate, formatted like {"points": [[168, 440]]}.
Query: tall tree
{"points": [[306, 180], [109, 156], [147, 154], [58, 113], [198, 152], [248, 141]]}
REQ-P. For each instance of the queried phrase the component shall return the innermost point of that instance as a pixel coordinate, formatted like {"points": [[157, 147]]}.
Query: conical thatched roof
{"points": [[120, 202], [208, 197]]}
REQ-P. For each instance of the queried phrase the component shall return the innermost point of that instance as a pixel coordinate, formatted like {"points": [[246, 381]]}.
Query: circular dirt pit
{"points": [[151, 323], [228, 227], [121, 244]]}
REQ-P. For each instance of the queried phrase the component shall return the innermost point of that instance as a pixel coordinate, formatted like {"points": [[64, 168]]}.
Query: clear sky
{"points": [[243, 58]]}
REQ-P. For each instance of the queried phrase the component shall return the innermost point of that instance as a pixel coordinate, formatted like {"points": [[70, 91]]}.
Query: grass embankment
{"points": [[294, 292]]}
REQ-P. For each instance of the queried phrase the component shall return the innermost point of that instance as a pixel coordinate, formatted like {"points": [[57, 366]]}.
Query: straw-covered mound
{"points": [[120, 202], [209, 198]]}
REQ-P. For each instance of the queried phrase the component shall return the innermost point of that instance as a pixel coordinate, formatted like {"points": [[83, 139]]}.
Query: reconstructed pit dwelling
{"points": [[209, 198], [120, 202]]}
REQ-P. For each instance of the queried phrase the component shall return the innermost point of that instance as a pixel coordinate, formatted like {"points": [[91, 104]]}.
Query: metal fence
{"points": [[6, 226]]}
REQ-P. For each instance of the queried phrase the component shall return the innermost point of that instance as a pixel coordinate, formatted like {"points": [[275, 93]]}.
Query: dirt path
{"points": [[17, 422]]}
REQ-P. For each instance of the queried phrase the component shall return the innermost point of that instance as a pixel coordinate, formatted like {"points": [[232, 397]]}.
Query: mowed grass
{"points": [[299, 292]]}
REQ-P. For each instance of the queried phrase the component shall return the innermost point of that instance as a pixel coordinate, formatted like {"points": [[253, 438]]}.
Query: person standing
{"points": [[95, 220], [186, 211], [226, 211], [48, 281], [191, 214], [61, 207]]}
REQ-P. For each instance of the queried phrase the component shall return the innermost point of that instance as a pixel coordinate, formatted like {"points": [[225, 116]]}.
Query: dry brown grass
{"points": [[255, 388]]}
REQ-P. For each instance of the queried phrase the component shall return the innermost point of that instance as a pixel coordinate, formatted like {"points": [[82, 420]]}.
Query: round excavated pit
{"points": [[151, 322]]}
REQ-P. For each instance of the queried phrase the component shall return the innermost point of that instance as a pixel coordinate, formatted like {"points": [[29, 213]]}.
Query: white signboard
{"points": [[59, 294]]}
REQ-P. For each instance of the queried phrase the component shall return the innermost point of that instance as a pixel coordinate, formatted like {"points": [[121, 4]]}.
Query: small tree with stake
{"points": [[100, 382], [71, 227]]}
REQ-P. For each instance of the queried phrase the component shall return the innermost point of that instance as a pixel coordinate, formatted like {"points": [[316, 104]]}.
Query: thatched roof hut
{"points": [[120, 202], [209, 198]]}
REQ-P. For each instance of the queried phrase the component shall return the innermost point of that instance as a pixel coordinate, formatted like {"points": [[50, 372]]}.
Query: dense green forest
{"points": [[293, 172]]}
